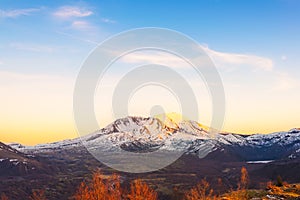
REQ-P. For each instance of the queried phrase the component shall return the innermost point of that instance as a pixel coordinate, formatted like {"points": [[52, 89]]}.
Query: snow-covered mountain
{"points": [[138, 134], [13, 162], [63, 164]]}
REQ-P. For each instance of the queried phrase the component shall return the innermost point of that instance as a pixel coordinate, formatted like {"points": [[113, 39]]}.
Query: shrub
{"points": [[201, 191], [110, 189], [141, 191], [100, 189]]}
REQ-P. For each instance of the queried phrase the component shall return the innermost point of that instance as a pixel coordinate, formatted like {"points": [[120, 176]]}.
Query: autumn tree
{"points": [[82, 192], [115, 188], [100, 188], [4, 197], [201, 191], [242, 192], [141, 191], [38, 195], [244, 180]]}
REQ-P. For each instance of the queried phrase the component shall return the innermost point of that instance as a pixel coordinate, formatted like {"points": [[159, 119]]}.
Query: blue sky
{"points": [[255, 45], [269, 28]]}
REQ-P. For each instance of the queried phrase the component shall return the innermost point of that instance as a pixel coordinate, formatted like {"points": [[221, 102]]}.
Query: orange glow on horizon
{"points": [[52, 132]]}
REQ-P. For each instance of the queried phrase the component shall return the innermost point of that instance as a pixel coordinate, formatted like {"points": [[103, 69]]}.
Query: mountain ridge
{"points": [[146, 134]]}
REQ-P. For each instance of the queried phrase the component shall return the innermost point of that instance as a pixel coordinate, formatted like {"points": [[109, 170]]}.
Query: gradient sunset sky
{"points": [[255, 45]]}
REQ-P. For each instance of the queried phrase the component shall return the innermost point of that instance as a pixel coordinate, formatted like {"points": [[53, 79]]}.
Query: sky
{"points": [[255, 46]]}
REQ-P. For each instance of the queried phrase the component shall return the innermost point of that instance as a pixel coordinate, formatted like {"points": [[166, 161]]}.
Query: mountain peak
{"points": [[294, 130]]}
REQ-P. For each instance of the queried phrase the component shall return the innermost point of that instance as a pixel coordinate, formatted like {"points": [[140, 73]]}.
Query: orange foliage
{"points": [[110, 189], [273, 188], [38, 195], [241, 193], [83, 192], [4, 197], [244, 179], [236, 195], [141, 191], [202, 191], [100, 189]]}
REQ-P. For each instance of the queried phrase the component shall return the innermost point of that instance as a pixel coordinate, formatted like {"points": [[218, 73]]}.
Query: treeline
{"points": [[110, 189], [101, 188]]}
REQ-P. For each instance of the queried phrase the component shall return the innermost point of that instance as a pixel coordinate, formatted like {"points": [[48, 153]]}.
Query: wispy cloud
{"points": [[17, 12], [151, 57], [81, 25], [107, 20], [221, 59], [75, 18], [282, 81], [230, 60], [67, 12]]}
